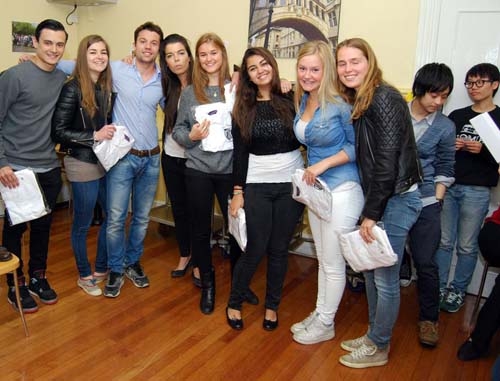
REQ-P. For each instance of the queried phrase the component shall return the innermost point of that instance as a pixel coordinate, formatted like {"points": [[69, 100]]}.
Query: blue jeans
{"points": [[382, 284], [464, 210], [137, 177], [85, 196]]}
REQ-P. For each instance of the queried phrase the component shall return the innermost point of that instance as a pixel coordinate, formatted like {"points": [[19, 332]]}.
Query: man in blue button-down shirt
{"points": [[138, 94], [138, 88]]}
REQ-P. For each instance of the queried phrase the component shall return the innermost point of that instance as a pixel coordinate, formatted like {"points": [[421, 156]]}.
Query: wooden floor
{"points": [[158, 333]]}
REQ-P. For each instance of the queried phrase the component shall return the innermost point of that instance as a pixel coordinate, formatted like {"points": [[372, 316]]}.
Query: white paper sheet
{"points": [[489, 133]]}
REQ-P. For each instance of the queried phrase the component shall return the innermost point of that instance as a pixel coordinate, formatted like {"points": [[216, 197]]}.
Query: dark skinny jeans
{"points": [[424, 238], [175, 180], [51, 183], [201, 190], [271, 216]]}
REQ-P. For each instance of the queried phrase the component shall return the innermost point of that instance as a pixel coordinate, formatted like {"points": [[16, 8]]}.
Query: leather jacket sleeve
{"points": [[385, 135], [67, 121]]}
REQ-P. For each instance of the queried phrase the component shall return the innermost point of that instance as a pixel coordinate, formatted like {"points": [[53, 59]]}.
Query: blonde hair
{"points": [[361, 98], [327, 90], [200, 77]]}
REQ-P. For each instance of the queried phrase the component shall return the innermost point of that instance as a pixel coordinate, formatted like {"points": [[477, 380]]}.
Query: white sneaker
{"points": [[89, 286], [366, 356], [315, 332], [297, 327]]}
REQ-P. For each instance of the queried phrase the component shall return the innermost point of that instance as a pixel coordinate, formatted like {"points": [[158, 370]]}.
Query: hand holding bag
{"points": [[26, 202], [317, 197], [363, 256], [219, 137], [238, 227], [110, 151]]}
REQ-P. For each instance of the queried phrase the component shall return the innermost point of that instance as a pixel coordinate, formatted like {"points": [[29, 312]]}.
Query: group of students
{"points": [[386, 161], [41, 106]]}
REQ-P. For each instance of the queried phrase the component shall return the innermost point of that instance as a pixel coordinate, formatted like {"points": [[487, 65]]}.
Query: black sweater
{"points": [[470, 168], [269, 136]]}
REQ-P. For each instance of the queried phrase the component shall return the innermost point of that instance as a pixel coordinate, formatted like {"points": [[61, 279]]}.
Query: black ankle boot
{"points": [[207, 300]]}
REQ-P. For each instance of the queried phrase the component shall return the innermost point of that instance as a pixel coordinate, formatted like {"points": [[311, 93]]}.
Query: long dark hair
{"points": [[170, 82], [246, 96]]}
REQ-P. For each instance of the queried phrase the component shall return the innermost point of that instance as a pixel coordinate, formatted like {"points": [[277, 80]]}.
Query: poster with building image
{"points": [[283, 26], [22, 36]]}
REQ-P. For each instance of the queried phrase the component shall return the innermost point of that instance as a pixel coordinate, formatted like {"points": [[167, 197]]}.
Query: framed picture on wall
{"points": [[283, 26], [22, 36]]}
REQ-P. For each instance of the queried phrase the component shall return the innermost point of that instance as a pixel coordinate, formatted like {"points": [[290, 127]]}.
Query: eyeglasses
{"points": [[479, 83]]}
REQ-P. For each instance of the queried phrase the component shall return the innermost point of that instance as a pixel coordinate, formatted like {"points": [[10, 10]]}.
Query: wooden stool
{"points": [[10, 266]]}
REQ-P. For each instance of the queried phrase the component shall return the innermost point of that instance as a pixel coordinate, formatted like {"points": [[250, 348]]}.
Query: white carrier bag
{"points": [[219, 115], [110, 151], [238, 227], [317, 197], [363, 256]]}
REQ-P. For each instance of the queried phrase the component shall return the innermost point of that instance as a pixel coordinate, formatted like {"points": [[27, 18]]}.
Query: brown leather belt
{"points": [[145, 152]]}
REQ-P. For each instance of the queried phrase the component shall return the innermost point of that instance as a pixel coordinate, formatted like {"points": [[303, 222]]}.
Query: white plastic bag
{"points": [[110, 151], [362, 256], [26, 202], [219, 137], [317, 197], [238, 227]]}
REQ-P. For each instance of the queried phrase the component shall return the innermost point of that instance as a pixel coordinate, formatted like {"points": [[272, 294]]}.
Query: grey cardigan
{"points": [[207, 162]]}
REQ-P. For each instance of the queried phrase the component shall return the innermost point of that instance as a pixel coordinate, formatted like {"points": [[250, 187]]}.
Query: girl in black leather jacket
{"points": [[389, 170], [82, 116]]}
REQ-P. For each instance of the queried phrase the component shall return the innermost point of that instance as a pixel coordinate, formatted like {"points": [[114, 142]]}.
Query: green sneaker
{"points": [[454, 300], [443, 293]]}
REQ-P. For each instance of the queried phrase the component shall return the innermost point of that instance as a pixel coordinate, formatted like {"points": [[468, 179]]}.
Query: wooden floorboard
{"points": [[158, 333]]}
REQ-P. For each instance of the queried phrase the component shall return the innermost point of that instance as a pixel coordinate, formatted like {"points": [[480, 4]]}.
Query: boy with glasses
{"points": [[466, 202]]}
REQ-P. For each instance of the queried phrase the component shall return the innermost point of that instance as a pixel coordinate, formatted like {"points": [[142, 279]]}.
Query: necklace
{"points": [[214, 91]]}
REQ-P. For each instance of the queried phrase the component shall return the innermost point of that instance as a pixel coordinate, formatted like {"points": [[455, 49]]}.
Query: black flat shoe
{"points": [[251, 298], [468, 351], [236, 324], [180, 273], [196, 281], [270, 325]]}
